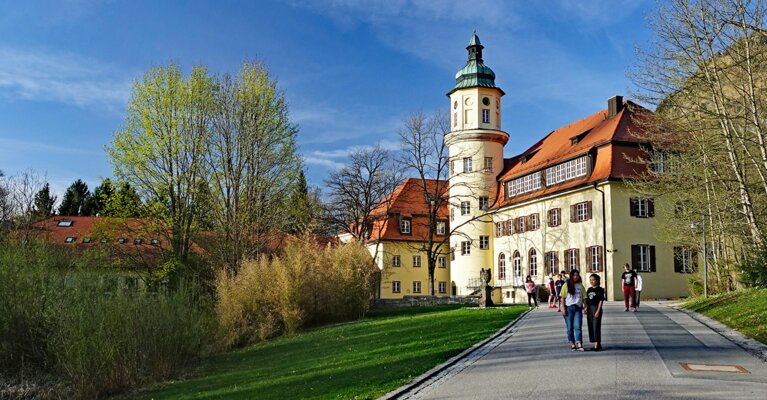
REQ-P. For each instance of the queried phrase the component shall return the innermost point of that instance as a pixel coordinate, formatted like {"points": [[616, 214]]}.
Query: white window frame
{"points": [[556, 217], [643, 209], [484, 242], [465, 248], [441, 228], [396, 261], [416, 261], [442, 287], [685, 259], [572, 257], [416, 286], [405, 226], [501, 266], [533, 262], [551, 257], [567, 170], [485, 116], [484, 202], [465, 207], [582, 212], [488, 164], [594, 267], [442, 262], [396, 287], [468, 165], [517, 265], [644, 258], [534, 222], [522, 224]]}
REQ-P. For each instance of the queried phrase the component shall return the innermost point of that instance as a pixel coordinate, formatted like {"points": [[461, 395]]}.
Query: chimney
{"points": [[614, 106]]}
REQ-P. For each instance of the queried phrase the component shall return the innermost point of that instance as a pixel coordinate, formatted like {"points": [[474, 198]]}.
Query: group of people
{"points": [[568, 295]]}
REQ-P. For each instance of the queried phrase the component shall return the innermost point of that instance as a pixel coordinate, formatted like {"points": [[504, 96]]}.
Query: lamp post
{"points": [[705, 258]]}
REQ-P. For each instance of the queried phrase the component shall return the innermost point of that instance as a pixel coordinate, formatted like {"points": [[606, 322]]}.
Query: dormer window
{"points": [[122, 240], [86, 240], [70, 239], [577, 139], [64, 223], [138, 241], [405, 225], [156, 242]]}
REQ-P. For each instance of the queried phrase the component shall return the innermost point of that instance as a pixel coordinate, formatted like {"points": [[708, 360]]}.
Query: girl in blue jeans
{"points": [[573, 294]]}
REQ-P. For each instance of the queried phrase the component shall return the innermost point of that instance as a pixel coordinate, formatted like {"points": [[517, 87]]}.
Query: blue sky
{"points": [[351, 70]]}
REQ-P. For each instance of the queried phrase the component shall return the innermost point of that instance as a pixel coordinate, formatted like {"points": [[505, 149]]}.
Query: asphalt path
{"points": [[644, 357]]}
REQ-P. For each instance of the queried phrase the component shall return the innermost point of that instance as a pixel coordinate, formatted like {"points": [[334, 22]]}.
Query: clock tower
{"points": [[475, 145]]}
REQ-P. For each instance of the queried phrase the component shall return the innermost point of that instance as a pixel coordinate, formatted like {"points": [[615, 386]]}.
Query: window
{"points": [[594, 259], [455, 119], [533, 222], [65, 223], [488, 164], [86, 240], [442, 287], [555, 217], [550, 258], [452, 254], [467, 165], [642, 208], [122, 240], [442, 262], [486, 101], [565, 171], [465, 248], [643, 257], [580, 212], [452, 213], [70, 239], [104, 240], [521, 225], [416, 261], [155, 242], [441, 228], [572, 259], [395, 287], [138, 241], [484, 242], [501, 266], [452, 167], [465, 208], [517, 265], [685, 260], [664, 163], [395, 261], [484, 203], [525, 184], [485, 116], [416, 286], [405, 225], [533, 262], [499, 229]]}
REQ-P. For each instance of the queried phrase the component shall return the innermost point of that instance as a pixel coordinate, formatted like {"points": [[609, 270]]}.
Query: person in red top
{"points": [[552, 291], [531, 292]]}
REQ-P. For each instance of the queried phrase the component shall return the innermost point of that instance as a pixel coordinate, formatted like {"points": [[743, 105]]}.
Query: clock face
{"points": [[468, 101], [486, 101]]}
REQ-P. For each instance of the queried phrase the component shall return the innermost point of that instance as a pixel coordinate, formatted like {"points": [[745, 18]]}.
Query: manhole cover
{"points": [[714, 368]]}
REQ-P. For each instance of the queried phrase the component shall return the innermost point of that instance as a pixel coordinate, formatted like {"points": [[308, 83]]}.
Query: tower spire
{"points": [[475, 47]]}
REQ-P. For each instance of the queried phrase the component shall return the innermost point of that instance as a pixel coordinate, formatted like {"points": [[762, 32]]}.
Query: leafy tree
{"points": [[124, 203], [161, 146], [44, 203], [76, 200]]}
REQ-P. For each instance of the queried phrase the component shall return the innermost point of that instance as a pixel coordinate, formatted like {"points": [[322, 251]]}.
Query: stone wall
{"points": [[420, 301]]}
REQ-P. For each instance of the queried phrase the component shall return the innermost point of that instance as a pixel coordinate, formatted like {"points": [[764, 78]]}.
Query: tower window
{"points": [[488, 164], [455, 119], [485, 116], [467, 164], [484, 202], [465, 208], [486, 101], [465, 248]]}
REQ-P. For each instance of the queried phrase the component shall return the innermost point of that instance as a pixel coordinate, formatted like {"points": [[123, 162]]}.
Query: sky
{"points": [[351, 70]]}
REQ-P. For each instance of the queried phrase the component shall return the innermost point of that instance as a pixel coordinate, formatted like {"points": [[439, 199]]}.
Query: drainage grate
{"points": [[737, 369]]}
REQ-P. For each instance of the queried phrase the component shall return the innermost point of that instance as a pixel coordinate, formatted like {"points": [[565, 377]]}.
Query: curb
{"points": [[751, 346], [415, 383]]}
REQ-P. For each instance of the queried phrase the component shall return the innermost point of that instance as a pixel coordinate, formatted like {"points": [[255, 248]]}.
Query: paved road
{"points": [[642, 358]]}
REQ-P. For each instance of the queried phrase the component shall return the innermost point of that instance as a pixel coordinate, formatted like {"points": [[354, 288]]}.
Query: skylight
{"points": [[122, 240], [86, 240], [137, 241], [155, 242], [70, 239], [65, 223]]}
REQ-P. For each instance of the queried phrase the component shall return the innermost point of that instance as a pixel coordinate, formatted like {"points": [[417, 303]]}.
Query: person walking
{"points": [[629, 281], [531, 292], [573, 294], [595, 299], [558, 288], [638, 291], [552, 290]]}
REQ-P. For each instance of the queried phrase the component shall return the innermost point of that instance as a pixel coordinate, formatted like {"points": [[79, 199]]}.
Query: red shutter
{"points": [[588, 210], [548, 218], [650, 207], [652, 258], [588, 259], [677, 259], [633, 207], [567, 261], [601, 258], [572, 213], [577, 259]]}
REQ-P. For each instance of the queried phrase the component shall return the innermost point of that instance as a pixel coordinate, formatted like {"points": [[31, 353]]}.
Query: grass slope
{"points": [[743, 310], [357, 360]]}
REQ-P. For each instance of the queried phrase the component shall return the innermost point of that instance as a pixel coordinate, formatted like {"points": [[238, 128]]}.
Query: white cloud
{"points": [[334, 159], [63, 78]]}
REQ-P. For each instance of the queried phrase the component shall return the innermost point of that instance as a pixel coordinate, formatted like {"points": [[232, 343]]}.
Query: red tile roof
{"points": [[408, 200]]}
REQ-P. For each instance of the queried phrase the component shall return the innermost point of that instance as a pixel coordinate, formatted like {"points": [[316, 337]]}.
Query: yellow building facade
{"points": [[563, 204]]}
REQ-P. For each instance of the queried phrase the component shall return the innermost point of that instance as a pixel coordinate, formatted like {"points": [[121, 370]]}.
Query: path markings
{"points": [[714, 368]]}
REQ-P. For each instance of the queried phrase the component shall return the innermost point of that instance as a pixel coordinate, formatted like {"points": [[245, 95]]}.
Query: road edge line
{"points": [[415, 383]]}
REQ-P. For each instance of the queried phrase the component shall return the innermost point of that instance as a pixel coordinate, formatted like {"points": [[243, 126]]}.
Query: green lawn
{"points": [[358, 360], [744, 310]]}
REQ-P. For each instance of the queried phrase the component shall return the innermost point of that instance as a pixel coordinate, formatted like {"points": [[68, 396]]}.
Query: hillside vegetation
{"points": [[744, 310]]}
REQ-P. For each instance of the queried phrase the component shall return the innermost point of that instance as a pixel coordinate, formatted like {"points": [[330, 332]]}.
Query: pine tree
{"points": [[44, 203], [102, 195], [76, 200], [124, 202], [300, 206]]}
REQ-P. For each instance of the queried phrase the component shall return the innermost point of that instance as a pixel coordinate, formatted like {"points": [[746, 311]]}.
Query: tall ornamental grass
{"points": [[307, 285]]}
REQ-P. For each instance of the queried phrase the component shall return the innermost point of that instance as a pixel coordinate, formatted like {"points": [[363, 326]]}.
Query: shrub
{"points": [[307, 285], [753, 269]]}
